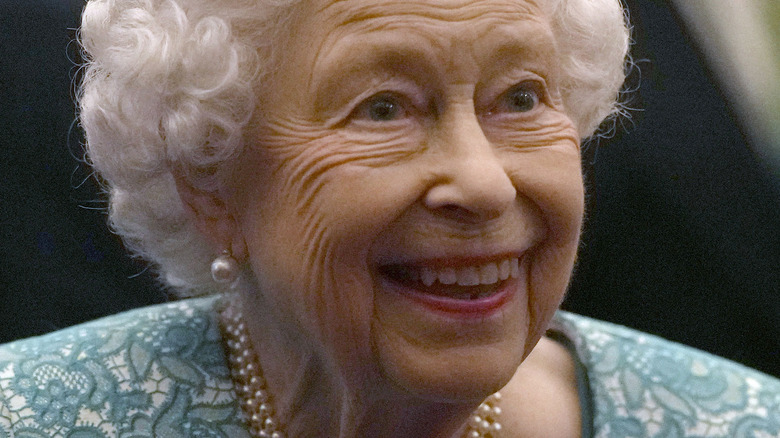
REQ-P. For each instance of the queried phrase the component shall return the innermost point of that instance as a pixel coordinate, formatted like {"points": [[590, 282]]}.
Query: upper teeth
{"points": [[488, 273]]}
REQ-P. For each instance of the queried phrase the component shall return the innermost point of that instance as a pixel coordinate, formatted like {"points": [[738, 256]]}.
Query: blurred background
{"points": [[682, 235]]}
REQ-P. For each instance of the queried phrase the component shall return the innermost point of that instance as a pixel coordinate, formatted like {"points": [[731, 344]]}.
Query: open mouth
{"points": [[462, 282]]}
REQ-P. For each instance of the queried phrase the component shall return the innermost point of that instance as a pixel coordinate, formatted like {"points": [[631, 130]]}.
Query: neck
{"points": [[345, 414], [417, 419], [309, 398]]}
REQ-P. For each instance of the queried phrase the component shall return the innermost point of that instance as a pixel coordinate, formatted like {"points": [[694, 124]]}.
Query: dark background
{"points": [[682, 236]]}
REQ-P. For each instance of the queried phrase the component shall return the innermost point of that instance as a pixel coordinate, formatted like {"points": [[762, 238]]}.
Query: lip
{"points": [[452, 307], [477, 308]]}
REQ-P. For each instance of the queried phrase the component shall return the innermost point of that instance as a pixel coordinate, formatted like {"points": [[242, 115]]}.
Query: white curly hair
{"points": [[171, 84]]}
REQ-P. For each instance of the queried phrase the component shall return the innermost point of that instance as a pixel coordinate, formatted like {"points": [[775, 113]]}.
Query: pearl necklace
{"points": [[256, 402]]}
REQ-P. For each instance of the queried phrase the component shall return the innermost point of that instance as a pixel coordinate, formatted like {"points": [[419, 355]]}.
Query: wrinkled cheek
{"points": [[548, 278], [559, 192], [342, 303], [320, 265], [553, 260]]}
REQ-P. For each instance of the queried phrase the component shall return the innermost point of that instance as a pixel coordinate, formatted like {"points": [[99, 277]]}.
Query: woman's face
{"points": [[411, 197]]}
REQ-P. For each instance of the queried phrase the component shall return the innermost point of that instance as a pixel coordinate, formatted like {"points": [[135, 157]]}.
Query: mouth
{"points": [[478, 287]]}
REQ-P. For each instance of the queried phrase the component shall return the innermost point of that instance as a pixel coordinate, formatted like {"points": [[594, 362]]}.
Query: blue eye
{"points": [[383, 107], [521, 98]]}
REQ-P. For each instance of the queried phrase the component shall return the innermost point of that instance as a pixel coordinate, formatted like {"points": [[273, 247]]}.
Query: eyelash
{"points": [[531, 89], [394, 106], [399, 105]]}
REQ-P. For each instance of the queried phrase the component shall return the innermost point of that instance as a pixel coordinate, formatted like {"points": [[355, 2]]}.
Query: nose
{"points": [[472, 183]]}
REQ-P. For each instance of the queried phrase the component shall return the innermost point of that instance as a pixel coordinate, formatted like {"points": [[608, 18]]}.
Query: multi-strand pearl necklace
{"points": [[484, 421], [256, 403], [247, 375]]}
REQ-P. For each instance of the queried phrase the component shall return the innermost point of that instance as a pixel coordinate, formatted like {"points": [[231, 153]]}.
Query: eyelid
{"points": [[364, 105], [536, 84], [407, 91], [409, 98], [499, 84]]}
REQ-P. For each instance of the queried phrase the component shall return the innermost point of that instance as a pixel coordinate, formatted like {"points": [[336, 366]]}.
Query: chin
{"points": [[446, 344], [450, 349], [465, 374]]}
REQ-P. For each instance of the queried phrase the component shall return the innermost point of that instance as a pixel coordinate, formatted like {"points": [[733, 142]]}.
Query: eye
{"points": [[520, 98], [382, 107]]}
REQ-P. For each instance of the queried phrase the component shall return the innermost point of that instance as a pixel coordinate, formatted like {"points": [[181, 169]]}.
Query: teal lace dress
{"points": [[161, 372]]}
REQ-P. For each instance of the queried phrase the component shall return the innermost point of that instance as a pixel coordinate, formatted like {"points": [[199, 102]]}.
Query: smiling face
{"points": [[411, 195]]}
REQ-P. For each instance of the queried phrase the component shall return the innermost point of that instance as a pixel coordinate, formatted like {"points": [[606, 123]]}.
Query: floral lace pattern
{"points": [[161, 372], [158, 371], [644, 386]]}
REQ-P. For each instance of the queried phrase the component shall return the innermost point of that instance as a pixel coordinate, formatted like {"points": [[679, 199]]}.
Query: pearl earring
{"points": [[224, 268]]}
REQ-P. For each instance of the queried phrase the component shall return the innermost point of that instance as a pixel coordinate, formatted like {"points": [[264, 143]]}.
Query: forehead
{"points": [[468, 28], [457, 16], [445, 10]]}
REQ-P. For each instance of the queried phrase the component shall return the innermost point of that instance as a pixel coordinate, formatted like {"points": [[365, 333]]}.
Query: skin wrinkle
{"points": [[398, 80], [316, 254], [532, 322], [518, 52], [457, 12], [451, 233], [344, 31], [331, 314], [303, 387], [323, 274], [370, 57], [314, 174], [411, 339], [538, 303], [368, 68], [324, 205], [538, 140], [312, 256], [307, 171]]}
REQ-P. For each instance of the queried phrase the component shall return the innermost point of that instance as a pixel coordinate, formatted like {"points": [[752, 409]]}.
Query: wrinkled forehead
{"points": [[457, 15], [460, 27], [444, 10]]}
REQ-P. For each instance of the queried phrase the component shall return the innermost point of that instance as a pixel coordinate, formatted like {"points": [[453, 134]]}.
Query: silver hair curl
{"points": [[171, 84]]}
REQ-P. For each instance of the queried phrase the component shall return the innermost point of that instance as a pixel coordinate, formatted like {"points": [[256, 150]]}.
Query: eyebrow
{"points": [[371, 60], [362, 54], [369, 55]]}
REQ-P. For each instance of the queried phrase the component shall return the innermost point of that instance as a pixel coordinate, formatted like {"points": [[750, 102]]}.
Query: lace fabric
{"points": [[161, 371], [645, 386]]}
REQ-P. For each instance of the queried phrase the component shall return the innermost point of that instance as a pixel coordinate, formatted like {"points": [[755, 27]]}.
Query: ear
{"points": [[212, 218]]}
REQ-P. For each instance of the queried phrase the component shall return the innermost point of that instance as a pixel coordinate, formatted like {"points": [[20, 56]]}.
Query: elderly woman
{"points": [[382, 201]]}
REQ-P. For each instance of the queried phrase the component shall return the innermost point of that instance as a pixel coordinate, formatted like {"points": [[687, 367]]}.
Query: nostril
{"points": [[460, 213], [463, 201], [454, 209], [456, 200]]}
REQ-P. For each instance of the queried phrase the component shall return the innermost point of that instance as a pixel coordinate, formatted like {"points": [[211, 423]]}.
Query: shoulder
{"points": [[156, 371], [643, 385]]}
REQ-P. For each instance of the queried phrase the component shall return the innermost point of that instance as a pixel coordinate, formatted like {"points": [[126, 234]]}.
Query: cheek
{"points": [[548, 170], [313, 209], [555, 185]]}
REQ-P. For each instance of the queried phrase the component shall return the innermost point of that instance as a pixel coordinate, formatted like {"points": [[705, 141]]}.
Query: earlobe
{"points": [[212, 218]]}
